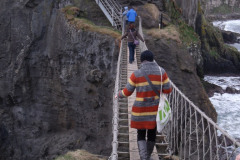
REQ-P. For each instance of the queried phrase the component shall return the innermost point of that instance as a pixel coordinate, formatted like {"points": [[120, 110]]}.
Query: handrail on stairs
{"points": [[112, 11]]}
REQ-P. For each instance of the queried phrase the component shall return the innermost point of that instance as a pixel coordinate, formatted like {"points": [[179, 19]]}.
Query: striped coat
{"points": [[144, 109]]}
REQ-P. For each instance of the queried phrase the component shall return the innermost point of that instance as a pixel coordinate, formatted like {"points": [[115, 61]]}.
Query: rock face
{"points": [[150, 15], [217, 57], [222, 10], [188, 10], [233, 4], [56, 83]]}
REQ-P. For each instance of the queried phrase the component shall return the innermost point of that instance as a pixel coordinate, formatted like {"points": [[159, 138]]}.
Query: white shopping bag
{"points": [[164, 112]]}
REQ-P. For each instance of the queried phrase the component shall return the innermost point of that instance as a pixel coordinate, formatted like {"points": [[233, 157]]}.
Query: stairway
{"points": [[112, 10]]}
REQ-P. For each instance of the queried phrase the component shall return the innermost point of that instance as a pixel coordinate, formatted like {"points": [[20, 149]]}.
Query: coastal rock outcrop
{"points": [[218, 58], [230, 37], [231, 6]]}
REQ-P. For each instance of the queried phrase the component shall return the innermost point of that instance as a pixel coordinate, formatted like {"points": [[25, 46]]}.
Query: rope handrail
{"points": [[204, 115], [190, 125], [114, 154]]}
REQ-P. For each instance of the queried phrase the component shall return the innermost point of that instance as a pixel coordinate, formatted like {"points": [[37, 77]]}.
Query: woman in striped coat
{"points": [[144, 109]]}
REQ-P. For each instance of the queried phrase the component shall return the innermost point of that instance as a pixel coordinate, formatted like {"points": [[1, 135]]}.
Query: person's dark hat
{"points": [[146, 56]]}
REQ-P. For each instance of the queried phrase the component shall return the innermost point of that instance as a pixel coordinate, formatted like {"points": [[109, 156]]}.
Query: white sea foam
{"points": [[230, 25], [224, 82], [227, 105], [228, 108], [236, 45]]}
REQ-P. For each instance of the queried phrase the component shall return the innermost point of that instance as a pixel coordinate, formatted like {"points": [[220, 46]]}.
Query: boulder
{"points": [[212, 88], [229, 37], [231, 90], [150, 15]]}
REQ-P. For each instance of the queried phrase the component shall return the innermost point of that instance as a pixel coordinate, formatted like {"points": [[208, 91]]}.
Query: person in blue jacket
{"points": [[131, 15], [125, 20]]}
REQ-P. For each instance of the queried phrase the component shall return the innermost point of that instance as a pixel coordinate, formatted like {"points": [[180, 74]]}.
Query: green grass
{"points": [[80, 155], [187, 33], [65, 157], [213, 53], [84, 24]]}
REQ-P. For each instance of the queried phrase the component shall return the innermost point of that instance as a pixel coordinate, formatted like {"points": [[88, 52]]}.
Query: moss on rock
{"points": [[80, 155], [72, 14]]}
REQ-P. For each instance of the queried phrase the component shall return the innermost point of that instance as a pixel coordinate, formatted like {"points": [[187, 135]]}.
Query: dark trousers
{"points": [[151, 134], [131, 47]]}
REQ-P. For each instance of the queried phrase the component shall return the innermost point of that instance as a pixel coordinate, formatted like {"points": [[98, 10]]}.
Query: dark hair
{"points": [[146, 56], [131, 26]]}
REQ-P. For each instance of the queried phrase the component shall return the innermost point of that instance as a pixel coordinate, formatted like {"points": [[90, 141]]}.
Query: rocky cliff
{"points": [[218, 58], [213, 9], [188, 8], [231, 5], [57, 73], [56, 82]]}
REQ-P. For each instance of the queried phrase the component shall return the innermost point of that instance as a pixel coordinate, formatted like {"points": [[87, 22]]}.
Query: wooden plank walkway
{"points": [[133, 148]]}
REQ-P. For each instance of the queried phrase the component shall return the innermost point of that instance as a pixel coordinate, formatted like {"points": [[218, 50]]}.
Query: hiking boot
{"points": [[150, 146], [142, 148]]}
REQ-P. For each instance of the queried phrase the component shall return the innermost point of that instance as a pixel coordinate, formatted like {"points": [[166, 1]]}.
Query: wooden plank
{"points": [[133, 148]]}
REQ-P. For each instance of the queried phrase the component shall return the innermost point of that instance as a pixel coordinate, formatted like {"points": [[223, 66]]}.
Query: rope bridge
{"points": [[190, 135]]}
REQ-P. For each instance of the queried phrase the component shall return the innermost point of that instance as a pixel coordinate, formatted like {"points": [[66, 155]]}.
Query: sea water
{"points": [[227, 105], [230, 25]]}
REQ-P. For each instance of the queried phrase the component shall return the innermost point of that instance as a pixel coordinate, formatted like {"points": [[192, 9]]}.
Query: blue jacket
{"points": [[131, 15]]}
